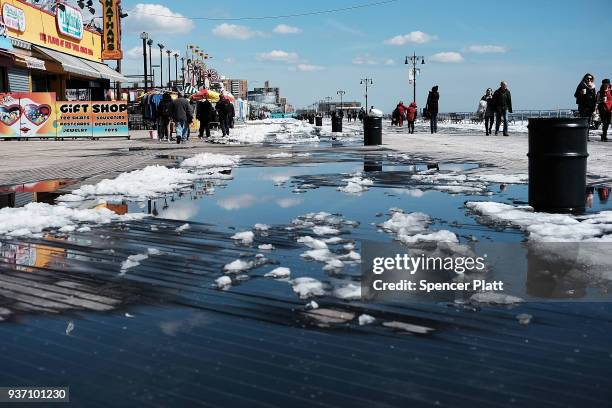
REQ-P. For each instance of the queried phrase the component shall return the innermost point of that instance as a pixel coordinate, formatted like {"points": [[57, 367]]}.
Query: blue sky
{"points": [[540, 47]]}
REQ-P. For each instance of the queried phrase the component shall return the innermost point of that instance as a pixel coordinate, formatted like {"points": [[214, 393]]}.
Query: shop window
{"points": [[40, 83]]}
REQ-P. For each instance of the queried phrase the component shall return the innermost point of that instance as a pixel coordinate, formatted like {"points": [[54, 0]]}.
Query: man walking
{"points": [[432, 107], [182, 114], [502, 100], [204, 114], [223, 112]]}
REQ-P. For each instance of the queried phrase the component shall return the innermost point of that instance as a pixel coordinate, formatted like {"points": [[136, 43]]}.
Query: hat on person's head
{"points": [[606, 81]]}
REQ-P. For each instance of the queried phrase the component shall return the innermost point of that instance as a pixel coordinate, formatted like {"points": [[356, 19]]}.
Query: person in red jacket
{"points": [[604, 105], [401, 110], [411, 113]]}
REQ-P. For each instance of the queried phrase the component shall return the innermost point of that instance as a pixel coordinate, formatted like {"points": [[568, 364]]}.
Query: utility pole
{"points": [[169, 52], [414, 60], [150, 43], [366, 82], [161, 65], [183, 70], [144, 36]]}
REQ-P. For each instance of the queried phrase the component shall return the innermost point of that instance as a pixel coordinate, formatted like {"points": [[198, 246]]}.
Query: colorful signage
{"points": [[111, 37], [60, 31], [14, 17], [38, 115], [69, 22], [5, 41]]}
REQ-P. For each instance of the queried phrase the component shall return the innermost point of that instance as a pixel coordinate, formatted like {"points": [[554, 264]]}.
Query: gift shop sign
{"points": [[14, 17], [69, 22]]}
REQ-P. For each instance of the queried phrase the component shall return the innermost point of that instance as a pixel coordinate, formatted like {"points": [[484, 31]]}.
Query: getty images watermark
{"points": [[497, 272]]}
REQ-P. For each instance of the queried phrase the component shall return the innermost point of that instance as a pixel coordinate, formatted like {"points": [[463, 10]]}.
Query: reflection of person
{"points": [[604, 194]]}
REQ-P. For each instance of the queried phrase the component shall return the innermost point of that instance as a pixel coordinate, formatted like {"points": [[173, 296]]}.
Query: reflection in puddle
{"points": [[18, 195]]}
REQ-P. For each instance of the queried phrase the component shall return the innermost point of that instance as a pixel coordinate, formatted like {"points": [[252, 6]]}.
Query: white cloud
{"points": [[288, 202], [234, 32], [389, 61], [229, 60], [286, 29], [278, 55], [237, 202], [451, 56], [309, 68], [156, 18], [486, 49], [134, 53], [415, 37], [364, 60]]}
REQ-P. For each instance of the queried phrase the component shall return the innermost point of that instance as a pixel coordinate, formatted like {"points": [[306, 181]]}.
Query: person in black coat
{"points": [[489, 112], [502, 99], [204, 113], [586, 97], [231, 114], [432, 108], [182, 114], [223, 112], [164, 115]]}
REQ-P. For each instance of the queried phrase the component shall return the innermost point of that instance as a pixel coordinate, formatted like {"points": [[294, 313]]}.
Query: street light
{"points": [[169, 52], [145, 36], [341, 93], [183, 70], [150, 43], [414, 60], [161, 65], [366, 82], [176, 55]]}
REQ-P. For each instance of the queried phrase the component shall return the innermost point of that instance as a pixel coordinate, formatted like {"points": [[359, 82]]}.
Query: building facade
{"points": [[52, 51], [238, 87]]}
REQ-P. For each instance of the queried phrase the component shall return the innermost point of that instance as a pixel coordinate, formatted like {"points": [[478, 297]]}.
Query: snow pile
{"points": [[501, 178], [266, 247], [365, 319], [547, 227], [237, 266], [312, 242], [34, 218], [279, 273], [356, 185], [280, 155], [325, 230], [349, 291], [412, 228], [208, 160], [223, 282], [131, 262], [152, 181], [261, 227], [307, 287]]}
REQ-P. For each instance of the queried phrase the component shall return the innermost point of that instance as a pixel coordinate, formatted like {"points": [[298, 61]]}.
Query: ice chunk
{"points": [[238, 265], [266, 247], [524, 318], [365, 319], [321, 255], [496, 298], [154, 251], [312, 242], [325, 230], [223, 282], [350, 291], [261, 227], [307, 287], [207, 160], [132, 261], [245, 237], [183, 227]]}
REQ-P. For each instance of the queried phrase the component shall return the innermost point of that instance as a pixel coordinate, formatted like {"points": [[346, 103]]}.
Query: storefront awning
{"points": [[80, 66]]}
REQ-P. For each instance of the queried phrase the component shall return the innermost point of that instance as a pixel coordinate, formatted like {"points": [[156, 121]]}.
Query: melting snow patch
{"points": [[182, 228], [495, 298], [356, 185], [131, 262], [237, 266], [325, 230], [312, 305], [33, 218], [524, 318], [333, 264], [307, 287], [207, 160], [350, 291], [365, 319], [321, 255], [261, 227], [312, 242], [223, 282], [245, 237], [411, 328], [154, 251], [279, 155], [412, 228], [266, 247], [278, 273]]}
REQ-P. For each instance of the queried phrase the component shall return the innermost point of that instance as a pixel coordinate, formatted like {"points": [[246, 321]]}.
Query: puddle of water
{"points": [[39, 192]]}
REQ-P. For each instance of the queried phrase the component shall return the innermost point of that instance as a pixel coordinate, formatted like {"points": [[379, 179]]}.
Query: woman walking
{"points": [[604, 105], [432, 108], [489, 113]]}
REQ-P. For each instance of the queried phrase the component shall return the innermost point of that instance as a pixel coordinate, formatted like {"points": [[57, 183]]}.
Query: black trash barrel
{"points": [[372, 130], [557, 164], [319, 121], [336, 124], [311, 120]]}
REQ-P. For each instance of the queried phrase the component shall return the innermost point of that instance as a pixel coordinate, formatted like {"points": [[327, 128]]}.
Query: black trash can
{"points": [[319, 121], [336, 124], [311, 120], [557, 164], [372, 130]]}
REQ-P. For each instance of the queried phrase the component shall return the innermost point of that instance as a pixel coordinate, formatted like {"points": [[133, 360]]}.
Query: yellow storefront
{"points": [[52, 51]]}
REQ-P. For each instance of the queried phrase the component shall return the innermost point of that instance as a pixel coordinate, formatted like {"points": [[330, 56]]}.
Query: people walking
{"points": [[432, 108], [182, 114], [223, 112], [204, 113], [586, 97], [164, 115], [502, 99], [411, 114], [604, 106], [361, 114], [401, 111], [489, 110]]}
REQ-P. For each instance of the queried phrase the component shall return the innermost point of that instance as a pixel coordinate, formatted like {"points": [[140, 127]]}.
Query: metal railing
{"points": [[516, 116]]}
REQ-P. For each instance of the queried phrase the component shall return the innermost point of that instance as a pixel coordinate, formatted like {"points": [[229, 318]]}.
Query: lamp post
{"points": [[328, 99], [183, 70], [341, 93], [414, 60], [145, 36], [161, 65], [169, 52], [150, 43], [366, 82], [176, 55]]}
